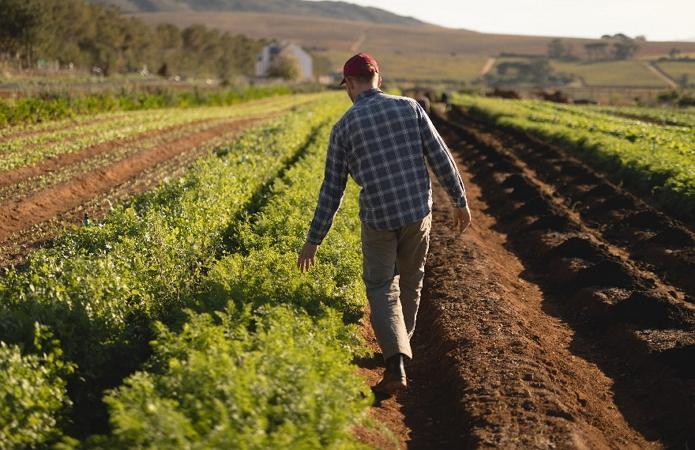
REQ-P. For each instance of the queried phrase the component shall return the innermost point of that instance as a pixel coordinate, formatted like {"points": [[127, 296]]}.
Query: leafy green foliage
{"points": [[32, 390], [101, 287], [272, 370], [89, 35], [649, 157], [62, 105], [271, 379]]}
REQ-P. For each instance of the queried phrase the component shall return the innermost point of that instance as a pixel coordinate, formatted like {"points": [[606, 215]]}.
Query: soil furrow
{"points": [[601, 355], [15, 250], [49, 165], [28, 186], [59, 126], [65, 196], [649, 238]]}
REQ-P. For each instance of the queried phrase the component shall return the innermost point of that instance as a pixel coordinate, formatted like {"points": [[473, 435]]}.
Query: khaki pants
{"points": [[393, 269]]}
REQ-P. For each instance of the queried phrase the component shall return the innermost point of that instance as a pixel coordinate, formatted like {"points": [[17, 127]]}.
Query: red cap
{"points": [[360, 64]]}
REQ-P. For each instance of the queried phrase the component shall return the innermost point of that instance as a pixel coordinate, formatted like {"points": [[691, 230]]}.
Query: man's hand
{"points": [[306, 256], [462, 218]]}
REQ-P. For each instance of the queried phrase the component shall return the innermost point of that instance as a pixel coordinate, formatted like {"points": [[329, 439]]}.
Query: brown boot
{"points": [[394, 379]]}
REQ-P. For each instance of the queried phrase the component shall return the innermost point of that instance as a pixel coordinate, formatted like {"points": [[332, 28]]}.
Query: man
{"points": [[382, 141]]}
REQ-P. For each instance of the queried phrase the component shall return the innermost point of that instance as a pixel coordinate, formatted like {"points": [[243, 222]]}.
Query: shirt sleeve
{"points": [[332, 189], [440, 159]]}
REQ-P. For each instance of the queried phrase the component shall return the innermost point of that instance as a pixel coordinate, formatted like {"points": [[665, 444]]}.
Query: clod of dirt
{"points": [[651, 310], [550, 222], [605, 273], [537, 205], [617, 202], [593, 302], [515, 180], [602, 190], [564, 271], [673, 237], [577, 247], [681, 359], [523, 192], [650, 220]]}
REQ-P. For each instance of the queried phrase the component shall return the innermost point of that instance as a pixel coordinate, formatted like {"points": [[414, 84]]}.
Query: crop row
{"points": [[100, 288], [657, 160], [265, 361], [663, 116], [67, 104], [23, 151]]}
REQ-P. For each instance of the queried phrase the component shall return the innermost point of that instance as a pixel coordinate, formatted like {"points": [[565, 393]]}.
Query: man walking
{"points": [[383, 141]]}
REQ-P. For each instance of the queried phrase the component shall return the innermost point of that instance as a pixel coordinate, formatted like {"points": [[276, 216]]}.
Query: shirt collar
{"points": [[367, 93]]}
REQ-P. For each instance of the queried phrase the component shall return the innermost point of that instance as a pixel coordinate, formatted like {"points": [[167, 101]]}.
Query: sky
{"points": [[658, 20]]}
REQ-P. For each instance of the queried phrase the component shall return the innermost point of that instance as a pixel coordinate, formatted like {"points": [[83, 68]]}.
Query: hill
{"points": [[331, 9], [415, 52]]}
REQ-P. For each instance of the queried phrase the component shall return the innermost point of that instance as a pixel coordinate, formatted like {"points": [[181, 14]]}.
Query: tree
{"points": [[286, 67], [21, 24], [558, 49], [596, 51], [624, 48]]}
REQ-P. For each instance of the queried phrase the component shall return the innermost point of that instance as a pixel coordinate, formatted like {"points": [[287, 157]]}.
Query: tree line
{"points": [[616, 47], [99, 38]]}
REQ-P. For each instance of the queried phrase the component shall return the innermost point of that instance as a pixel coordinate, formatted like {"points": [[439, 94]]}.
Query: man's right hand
{"points": [[462, 219]]}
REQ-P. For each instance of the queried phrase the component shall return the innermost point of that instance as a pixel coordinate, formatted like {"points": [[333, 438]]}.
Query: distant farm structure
{"points": [[285, 60]]}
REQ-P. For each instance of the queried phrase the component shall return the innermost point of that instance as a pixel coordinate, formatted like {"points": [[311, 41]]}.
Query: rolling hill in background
{"points": [[334, 9], [406, 48]]}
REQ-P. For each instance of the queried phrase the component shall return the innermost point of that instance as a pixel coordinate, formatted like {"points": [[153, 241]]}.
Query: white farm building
{"points": [[272, 53]]}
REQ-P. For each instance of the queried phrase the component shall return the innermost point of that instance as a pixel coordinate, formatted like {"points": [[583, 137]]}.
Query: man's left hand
{"points": [[307, 256]]}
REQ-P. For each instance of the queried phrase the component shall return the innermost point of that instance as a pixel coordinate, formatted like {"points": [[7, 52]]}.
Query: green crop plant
{"points": [[30, 149], [266, 360], [32, 389], [100, 288], [67, 104], [652, 159]]}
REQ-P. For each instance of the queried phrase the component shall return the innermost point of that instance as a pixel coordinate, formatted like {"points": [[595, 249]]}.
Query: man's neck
{"points": [[362, 90]]}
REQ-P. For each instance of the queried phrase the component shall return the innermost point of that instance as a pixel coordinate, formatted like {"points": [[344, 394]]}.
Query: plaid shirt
{"points": [[382, 141]]}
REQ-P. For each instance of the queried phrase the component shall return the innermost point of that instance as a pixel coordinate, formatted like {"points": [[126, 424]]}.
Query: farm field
{"points": [[632, 73], [679, 69], [656, 160], [174, 315], [664, 116], [80, 166], [446, 53]]}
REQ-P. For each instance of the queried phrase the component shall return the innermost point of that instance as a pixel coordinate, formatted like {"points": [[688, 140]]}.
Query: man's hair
{"points": [[363, 79]]}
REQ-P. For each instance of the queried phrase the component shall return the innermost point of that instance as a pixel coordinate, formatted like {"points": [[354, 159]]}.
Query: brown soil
{"points": [[542, 326], [43, 205], [58, 126], [22, 243], [51, 164]]}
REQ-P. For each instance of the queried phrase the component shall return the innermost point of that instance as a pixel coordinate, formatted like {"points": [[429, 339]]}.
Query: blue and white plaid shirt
{"points": [[382, 141]]}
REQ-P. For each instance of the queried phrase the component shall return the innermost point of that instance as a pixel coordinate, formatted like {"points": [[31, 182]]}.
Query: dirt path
{"points": [[489, 64], [355, 47], [661, 74]]}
